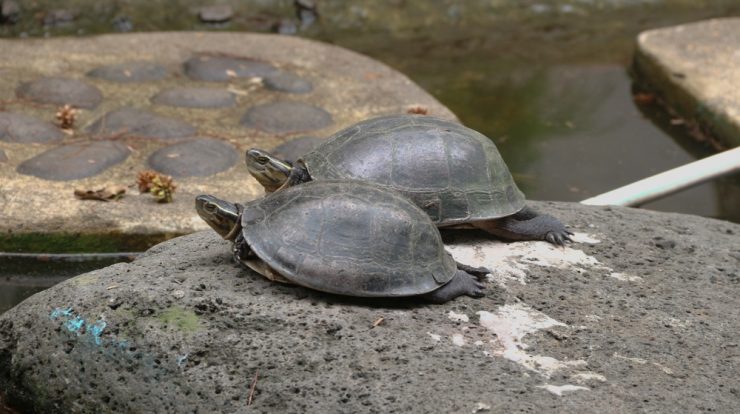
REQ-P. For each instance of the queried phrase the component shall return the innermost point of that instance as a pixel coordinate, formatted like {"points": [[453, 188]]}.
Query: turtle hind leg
{"points": [[463, 283], [527, 224]]}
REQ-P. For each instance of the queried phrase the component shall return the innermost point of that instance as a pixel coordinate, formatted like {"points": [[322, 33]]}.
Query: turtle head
{"points": [[221, 215], [271, 172]]}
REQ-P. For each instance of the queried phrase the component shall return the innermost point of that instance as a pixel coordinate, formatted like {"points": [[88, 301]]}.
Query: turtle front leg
{"points": [[463, 283], [527, 224], [241, 250]]}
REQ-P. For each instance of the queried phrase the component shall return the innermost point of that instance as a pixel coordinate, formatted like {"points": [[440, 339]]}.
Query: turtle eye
{"points": [[262, 160], [210, 207]]}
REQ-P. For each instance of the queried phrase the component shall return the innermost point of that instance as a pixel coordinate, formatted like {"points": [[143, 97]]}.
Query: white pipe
{"points": [[671, 181]]}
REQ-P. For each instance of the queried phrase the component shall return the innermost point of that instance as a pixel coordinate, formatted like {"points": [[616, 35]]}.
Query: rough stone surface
{"points": [[61, 91], [195, 98], [284, 117], [16, 127], [694, 68], [295, 148], [350, 86], [225, 68], [196, 158], [641, 315], [3, 156], [74, 161], [287, 82], [136, 122], [130, 72]]}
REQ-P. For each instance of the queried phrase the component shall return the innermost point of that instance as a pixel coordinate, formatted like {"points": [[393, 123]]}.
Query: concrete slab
{"points": [[641, 314], [695, 69], [129, 70]]}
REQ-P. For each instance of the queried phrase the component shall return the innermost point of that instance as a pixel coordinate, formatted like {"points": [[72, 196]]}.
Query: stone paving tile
{"points": [[284, 117], [197, 158], [195, 98], [21, 128], [130, 72], [224, 68], [288, 82], [75, 161], [140, 123], [61, 91]]}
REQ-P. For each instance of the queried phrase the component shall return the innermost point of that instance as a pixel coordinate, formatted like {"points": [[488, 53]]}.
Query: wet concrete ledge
{"points": [[695, 70], [640, 315]]}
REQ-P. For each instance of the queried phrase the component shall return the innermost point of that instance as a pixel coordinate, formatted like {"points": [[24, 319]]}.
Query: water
{"points": [[547, 81]]}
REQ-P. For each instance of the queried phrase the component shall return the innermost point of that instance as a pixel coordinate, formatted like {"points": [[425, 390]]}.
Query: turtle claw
{"points": [[559, 237], [479, 272]]}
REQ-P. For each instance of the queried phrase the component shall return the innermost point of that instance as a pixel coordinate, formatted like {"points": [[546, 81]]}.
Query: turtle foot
{"points": [[462, 284], [559, 237]]}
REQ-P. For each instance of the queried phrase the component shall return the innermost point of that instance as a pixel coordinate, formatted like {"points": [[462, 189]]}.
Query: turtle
{"points": [[454, 173], [343, 237]]}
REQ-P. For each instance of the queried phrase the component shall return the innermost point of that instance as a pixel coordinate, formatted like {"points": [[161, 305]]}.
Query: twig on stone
{"points": [[378, 322], [252, 388]]}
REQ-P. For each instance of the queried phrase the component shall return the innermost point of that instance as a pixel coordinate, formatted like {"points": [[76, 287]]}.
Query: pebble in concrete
{"points": [[197, 158], [130, 72], [75, 161], [287, 82], [140, 123], [15, 127], [295, 148], [195, 98], [61, 91], [225, 68], [285, 117]]}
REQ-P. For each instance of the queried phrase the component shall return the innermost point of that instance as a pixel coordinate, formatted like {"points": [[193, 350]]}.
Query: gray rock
{"points": [[195, 98], [197, 158], [130, 72], [287, 82], [59, 17], [223, 68], [140, 123], [219, 13], [694, 68], [295, 148], [285, 117], [61, 91], [16, 127], [9, 11], [75, 161], [613, 326], [3, 156]]}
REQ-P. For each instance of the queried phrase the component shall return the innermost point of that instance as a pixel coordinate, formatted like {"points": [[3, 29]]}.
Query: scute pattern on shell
{"points": [[349, 238], [455, 174]]}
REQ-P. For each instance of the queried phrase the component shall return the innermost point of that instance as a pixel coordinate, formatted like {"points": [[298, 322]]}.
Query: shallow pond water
{"points": [[547, 81]]}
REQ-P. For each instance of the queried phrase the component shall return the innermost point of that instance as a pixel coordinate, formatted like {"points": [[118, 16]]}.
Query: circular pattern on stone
{"points": [[75, 161], [224, 68], [286, 117], [296, 148], [287, 82], [21, 128], [196, 158], [195, 98], [130, 72], [61, 91], [140, 123]]}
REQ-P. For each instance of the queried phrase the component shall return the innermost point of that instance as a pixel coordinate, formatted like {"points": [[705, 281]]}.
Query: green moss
{"points": [[185, 320]]}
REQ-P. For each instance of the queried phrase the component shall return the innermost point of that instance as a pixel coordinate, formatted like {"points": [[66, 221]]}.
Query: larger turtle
{"points": [[455, 174], [343, 237]]}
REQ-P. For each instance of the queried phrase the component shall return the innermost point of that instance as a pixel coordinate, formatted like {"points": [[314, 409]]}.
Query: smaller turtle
{"points": [[453, 173], [343, 237]]}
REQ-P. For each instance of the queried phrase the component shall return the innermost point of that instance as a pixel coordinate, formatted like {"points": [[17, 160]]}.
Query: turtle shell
{"points": [[455, 174], [348, 238]]}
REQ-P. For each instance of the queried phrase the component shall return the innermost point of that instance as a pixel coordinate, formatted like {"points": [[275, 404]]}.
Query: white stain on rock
{"points": [[586, 376], [510, 324], [560, 389], [584, 238], [460, 317], [511, 261], [625, 277], [458, 339], [435, 337]]}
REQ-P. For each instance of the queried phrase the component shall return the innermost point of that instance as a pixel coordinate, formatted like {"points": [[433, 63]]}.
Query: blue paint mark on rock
{"points": [[96, 330], [181, 359], [57, 312], [75, 324]]}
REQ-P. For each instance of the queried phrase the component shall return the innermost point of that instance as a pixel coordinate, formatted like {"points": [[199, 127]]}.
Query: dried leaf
{"points": [[103, 194], [162, 188], [417, 110], [144, 180]]}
